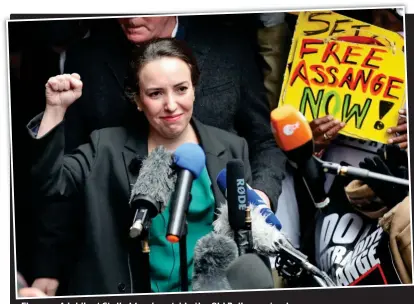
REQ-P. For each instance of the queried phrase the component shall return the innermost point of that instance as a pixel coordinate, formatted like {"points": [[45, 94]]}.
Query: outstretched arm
{"points": [[266, 158]]}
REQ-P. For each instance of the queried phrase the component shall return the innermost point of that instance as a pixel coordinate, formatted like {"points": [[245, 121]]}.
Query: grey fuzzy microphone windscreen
{"points": [[213, 253], [156, 177], [249, 271]]}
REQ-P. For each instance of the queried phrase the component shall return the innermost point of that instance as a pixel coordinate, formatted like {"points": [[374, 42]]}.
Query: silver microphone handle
{"points": [[337, 169]]}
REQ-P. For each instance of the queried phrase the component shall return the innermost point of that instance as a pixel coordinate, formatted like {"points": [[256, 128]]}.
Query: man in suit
{"points": [[230, 95]]}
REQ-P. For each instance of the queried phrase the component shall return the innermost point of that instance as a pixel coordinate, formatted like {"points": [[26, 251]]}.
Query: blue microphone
{"points": [[190, 160], [252, 197]]}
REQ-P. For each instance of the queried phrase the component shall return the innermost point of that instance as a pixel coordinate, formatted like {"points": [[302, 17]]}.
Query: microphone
{"points": [[264, 234], [294, 136], [338, 169], [249, 272], [271, 242], [253, 199], [189, 159], [238, 209], [213, 254], [292, 133], [152, 190], [218, 267]]}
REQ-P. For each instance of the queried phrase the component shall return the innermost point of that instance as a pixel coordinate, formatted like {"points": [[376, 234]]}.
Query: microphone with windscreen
{"points": [[189, 160], [152, 190], [238, 207], [249, 271], [264, 233], [292, 133], [213, 254], [294, 136], [270, 242], [217, 266], [253, 199]]}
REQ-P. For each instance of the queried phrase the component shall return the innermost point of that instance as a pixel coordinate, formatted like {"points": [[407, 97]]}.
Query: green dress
{"points": [[165, 256]]}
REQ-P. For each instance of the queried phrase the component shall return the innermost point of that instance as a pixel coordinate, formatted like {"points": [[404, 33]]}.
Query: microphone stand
{"points": [[183, 257], [243, 237], [146, 252], [183, 249]]}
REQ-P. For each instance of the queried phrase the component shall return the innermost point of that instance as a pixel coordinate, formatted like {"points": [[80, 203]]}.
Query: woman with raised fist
{"points": [[98, 176]]}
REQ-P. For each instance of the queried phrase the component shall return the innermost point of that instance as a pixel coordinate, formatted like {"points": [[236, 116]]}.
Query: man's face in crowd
{"points": [[142, 29]]}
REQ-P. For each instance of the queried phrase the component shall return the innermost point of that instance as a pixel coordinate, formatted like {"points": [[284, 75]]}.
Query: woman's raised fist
{"points": [[63, 90]]}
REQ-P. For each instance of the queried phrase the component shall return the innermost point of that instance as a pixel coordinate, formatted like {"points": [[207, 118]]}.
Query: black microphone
{"points": [[190, 161], [238, 207], [213, 254], [249, 271], [152, 190]]}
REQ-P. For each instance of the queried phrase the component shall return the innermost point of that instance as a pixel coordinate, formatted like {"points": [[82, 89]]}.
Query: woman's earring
{"points": [[139, 109]]}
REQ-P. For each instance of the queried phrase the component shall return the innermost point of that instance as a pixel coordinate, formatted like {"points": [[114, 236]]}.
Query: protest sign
{"points": [[347, 69]]}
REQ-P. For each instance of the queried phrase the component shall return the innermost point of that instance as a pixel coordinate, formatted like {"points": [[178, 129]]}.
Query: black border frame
{"points": [[341, 295]]}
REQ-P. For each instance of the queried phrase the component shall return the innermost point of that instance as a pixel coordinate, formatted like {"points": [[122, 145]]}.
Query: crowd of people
{"points": [[100, 93]]}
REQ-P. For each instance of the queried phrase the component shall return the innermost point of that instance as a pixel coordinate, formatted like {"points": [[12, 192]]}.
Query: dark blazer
{"points": [[107, 261]]}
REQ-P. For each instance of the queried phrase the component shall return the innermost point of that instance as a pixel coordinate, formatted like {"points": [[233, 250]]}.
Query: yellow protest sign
{"points": [[358, 79], [323, 24]]}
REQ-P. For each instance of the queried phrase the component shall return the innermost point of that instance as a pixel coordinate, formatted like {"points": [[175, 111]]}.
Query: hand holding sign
{"points": [[400, 131], [324, 130]]}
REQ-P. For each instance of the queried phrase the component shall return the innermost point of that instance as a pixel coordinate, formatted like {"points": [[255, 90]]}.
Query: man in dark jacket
{"points": [[230, 95]]}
